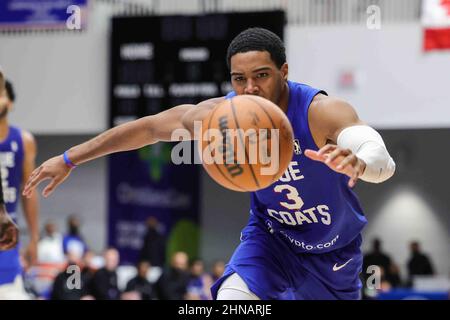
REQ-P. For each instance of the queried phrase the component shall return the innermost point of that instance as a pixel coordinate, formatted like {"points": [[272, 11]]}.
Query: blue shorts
{"points": [[273, 271], [10, 266]]}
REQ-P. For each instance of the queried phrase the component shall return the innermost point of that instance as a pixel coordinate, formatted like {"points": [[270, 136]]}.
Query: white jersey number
{"points": [[296, 201]]}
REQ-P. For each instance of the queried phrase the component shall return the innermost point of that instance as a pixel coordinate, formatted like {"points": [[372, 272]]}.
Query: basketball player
{"points": [[303, 238], [17, 161]]}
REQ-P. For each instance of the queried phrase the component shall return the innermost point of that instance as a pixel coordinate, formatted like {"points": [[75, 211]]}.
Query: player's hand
{"points": [[340, 160], [54, 170], [9, 233], [31, 252]]}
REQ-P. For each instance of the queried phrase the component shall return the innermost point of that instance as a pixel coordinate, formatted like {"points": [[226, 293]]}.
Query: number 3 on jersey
{"points": [[296, 202]]}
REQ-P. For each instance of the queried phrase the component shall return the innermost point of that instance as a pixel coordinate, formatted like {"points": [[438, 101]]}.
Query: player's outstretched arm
{"points": [[129, 136], [347, 145]]}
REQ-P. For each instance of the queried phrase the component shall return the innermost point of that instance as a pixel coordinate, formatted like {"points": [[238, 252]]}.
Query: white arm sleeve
{"points": [[368, 145]]}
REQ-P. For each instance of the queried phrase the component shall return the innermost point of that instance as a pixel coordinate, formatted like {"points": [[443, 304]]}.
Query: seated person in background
{"points": [[393, 276], [104, 283], [172, 284], [50, 247], [70, 284], [217, 270], [89, 269], [376, 257], [199, 287], [154, 244], [419, 264], [73, 239], [140, 283]]}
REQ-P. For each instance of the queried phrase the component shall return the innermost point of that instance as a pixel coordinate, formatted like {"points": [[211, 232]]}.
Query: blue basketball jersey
{"points": [[310, 207], [11, 162]]}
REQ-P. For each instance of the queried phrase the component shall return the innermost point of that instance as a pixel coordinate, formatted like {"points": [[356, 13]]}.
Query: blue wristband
{"points": [[67, 161]]}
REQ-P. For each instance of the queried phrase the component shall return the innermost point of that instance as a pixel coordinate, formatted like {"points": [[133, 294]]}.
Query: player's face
{"points": [[254, 72], [5, 103]]}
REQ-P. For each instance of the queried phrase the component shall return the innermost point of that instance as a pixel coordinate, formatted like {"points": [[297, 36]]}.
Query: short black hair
{"points": [[258, 39], [10, 90]]}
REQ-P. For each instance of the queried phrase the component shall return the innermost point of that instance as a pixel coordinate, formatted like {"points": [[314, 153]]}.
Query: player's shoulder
{"points": [[303, 92], [320, 103], [28, 139], [212, 102], [27, 135], [199, 111], [323, 105], [301, 85], [327, 115]]}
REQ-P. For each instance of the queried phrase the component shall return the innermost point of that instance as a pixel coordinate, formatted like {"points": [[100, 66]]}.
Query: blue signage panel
{"points": [[30, 14]]}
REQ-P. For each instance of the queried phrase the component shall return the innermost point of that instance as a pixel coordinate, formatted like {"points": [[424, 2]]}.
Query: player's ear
{"points": [[284, 71]]}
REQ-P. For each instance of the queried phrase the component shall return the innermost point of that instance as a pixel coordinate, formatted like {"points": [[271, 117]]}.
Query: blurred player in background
{"points": [[17, 161], [303, 237]]}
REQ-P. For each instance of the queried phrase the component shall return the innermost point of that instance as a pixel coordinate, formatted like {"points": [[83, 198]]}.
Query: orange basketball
{"points": [[246, 143]]}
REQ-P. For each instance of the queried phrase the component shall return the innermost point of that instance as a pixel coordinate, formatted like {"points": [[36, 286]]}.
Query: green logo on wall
{"points": [[184, 236], [157, 156]]}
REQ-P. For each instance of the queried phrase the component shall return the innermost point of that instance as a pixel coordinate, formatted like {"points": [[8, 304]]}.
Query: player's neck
{"points": [[4, 128]]}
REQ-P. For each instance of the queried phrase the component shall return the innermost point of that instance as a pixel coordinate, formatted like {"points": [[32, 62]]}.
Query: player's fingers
{"points": [[354, 178], [350, 159], [34, 174], [351, 183], [34, 181], [336, 153], [314, 155], [327, 148], [51, 186]]}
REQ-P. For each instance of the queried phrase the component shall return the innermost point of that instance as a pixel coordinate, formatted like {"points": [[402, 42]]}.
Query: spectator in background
{"points": [[376, 257], [419, 263], [89, 269], [172, 285], [73, 241], [140, 283], [50, 247], [218, 269], [70, 284], [104, 283], [393, 276], [154, 247], [200, 283]]}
